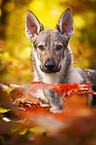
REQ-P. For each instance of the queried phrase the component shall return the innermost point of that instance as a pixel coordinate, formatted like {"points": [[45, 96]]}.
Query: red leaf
{"points": [[30, 106], [38, 85], [65, 90]]}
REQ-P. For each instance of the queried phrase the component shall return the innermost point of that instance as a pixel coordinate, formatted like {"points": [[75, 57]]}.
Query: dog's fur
{"points": [[52, 58]]}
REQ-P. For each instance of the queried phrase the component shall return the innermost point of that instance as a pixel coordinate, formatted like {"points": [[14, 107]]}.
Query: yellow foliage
{"points": [[79, 22], [17, 48]]}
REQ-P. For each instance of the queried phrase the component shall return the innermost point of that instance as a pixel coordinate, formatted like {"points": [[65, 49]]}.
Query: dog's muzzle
{"points": [[50, 66]]}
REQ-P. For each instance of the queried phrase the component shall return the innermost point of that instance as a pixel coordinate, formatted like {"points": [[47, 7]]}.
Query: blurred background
{"points": [[15, 48]]}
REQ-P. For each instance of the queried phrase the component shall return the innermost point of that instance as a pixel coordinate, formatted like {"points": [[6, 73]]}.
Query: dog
{"points": [[52, 58]]}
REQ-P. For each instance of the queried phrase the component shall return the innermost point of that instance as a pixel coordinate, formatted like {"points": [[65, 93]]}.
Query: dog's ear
{"points": [[65, 24], [32, 25]]}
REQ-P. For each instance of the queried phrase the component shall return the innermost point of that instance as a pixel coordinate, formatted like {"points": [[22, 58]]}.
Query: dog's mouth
{"points": [[50, 69]]}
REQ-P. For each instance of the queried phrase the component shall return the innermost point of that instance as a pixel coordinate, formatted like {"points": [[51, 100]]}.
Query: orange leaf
{"points": [[65, 90]]}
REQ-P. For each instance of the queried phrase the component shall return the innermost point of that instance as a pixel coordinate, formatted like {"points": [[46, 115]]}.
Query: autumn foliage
{"points": [[24, 121], [65, 90]]}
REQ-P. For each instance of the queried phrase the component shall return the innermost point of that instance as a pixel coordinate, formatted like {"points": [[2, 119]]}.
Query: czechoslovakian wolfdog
{"points": [[52, 58]]}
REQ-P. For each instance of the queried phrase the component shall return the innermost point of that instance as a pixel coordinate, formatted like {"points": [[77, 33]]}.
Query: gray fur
{"points": [[52, 58]]}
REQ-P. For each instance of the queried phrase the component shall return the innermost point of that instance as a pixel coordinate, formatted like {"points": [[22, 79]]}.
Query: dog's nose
{"points": [[50, 64]]}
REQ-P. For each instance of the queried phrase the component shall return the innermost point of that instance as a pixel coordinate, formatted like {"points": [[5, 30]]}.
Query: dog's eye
{"points": [[41, 47], [58, 47]]}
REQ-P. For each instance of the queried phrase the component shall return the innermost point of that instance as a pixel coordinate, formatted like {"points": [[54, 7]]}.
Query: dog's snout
{"points": [[50, 64]]}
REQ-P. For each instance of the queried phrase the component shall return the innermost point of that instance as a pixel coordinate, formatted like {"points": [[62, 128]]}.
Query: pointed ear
{"points": [[65, 24], [32, 25]]}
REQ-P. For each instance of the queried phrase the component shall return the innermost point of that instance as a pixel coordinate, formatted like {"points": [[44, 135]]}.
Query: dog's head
{"points": [[50, 44]]}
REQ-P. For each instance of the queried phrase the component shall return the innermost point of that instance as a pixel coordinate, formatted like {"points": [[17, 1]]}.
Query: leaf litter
{"points": [[30, 123]]}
